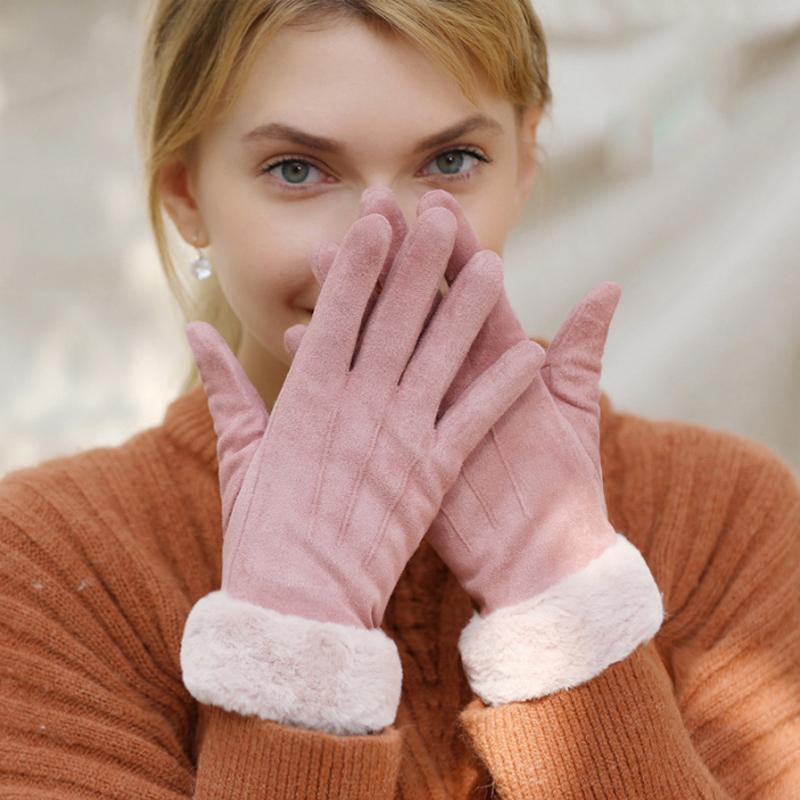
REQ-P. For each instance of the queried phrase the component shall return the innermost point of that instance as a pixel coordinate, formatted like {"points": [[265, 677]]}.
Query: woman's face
{"points": [[377, 100]]}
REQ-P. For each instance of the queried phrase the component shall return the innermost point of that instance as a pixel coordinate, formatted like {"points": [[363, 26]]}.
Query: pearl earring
{"points": [[201, 266]]}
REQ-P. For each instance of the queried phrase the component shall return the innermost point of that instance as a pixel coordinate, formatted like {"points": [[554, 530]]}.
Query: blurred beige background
{"points": [[670, 164]]}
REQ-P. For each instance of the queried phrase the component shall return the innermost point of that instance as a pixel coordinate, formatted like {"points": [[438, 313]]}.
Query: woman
{"points": [[391, 548]]}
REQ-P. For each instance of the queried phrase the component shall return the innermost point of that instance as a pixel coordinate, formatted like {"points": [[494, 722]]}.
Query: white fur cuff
{"points": [[292, 670], [567, 634]]}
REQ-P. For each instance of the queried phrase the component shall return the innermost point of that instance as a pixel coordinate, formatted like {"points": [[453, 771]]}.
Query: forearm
{"points": [[246, 756], [290, 706], [620, 734]]}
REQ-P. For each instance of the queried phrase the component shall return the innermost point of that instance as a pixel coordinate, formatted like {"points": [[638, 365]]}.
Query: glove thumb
{"points": [[573, 364], [236, 408]]}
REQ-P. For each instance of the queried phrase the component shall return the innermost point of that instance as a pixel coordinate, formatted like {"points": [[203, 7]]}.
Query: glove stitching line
{"points": [[323, 463], [455, 530], [390, 511], [484, 506], [576, 440], [514, 484], [229, 571], [357, 485]]}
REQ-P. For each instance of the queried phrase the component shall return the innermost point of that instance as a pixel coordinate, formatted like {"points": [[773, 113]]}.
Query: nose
{"points": [[382, 197]]}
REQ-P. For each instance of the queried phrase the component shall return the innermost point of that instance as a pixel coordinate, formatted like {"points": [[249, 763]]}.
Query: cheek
{"points": [[490, 217], [259, 276], [497, 218]]}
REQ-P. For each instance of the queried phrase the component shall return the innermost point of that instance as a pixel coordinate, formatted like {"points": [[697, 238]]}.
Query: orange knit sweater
{"points": [[104, 553]]}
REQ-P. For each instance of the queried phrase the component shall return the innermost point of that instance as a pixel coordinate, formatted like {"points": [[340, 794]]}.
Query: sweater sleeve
{"points": [[246, 756], [92, 699], [709, 708]]}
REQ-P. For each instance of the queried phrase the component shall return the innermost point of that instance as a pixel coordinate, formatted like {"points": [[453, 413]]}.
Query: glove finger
{"points": [[375, 200], [488, 397], [237, 410], [293, 336], [451, 332], [321, 258], [381, 200], [232, 398], [502, 328], [339, 310], [573, 364], [403, 306], [321, 267], [466, 243]]}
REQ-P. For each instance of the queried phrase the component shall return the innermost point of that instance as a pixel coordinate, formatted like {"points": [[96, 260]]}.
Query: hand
{"points": [[560, 594], [325, 499]]}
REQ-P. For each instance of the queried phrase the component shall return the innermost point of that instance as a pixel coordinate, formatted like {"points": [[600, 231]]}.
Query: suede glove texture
{"points": [[559, 593], [326, 498]]}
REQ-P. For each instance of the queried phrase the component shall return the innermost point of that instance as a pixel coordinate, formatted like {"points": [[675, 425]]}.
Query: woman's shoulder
{"points": [[185, 432], [708, 509], [150, 482], [648, 455], [104, 552], [669, 452]]}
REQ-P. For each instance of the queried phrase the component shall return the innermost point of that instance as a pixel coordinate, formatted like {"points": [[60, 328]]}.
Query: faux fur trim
{"points": [[567, 634], [292, 670]]}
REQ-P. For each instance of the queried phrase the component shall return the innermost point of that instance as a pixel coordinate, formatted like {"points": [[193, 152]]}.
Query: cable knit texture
{"points": [[104, 553]]}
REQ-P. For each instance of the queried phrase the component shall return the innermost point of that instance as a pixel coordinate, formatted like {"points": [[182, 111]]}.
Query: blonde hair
{"points": [[196, 54]]}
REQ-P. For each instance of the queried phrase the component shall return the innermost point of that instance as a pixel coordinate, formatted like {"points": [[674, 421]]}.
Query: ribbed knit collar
{"points": [[188, 422]]}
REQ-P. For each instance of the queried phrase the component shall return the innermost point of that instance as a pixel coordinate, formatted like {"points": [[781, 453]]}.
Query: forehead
{"points": [[345, 72]]}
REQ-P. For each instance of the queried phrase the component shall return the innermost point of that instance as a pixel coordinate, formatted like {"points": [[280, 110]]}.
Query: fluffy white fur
{"points": [[567, 634], [320, 675]]}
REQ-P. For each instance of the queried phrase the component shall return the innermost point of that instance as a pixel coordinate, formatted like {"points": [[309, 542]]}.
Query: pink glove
{"points": [[325, 499], [560, 594]]}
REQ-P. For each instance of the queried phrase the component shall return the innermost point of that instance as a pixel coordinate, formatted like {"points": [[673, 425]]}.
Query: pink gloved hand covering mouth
{"points": [[560, 594], [326, 498]]}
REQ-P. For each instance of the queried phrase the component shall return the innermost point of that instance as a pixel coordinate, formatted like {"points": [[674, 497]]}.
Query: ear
{"points": [[175, 181], [527, 165]]}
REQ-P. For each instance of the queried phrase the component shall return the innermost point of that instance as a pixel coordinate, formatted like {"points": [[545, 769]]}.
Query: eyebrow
{"points": [[283, 131]]}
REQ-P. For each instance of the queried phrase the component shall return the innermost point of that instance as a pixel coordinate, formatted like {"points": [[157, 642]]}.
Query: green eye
{"points": [[294, 170]]}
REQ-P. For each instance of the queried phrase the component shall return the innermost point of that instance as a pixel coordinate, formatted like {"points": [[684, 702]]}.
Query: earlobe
{"points": [[178, 200]]}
